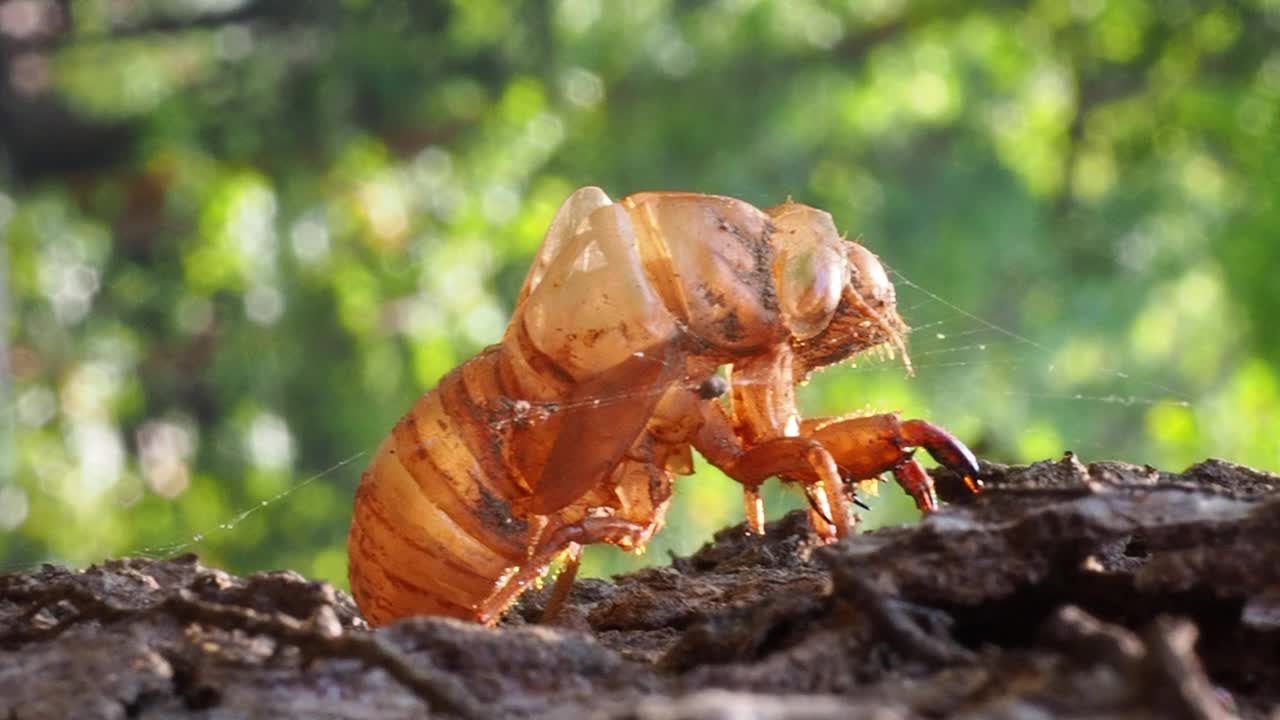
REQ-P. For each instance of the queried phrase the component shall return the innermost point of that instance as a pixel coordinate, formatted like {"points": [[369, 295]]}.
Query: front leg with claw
{"points": [[828, 451], [865, 447]]}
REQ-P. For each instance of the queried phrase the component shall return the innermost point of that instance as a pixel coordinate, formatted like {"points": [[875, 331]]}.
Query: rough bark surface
{"points": [[1064, 590]]}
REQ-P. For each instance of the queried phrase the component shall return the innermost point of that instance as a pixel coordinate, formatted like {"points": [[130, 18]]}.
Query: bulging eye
{"points": [[810, 281], [871, 281]]}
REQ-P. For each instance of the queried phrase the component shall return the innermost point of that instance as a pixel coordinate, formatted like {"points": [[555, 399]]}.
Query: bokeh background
{"points": [[240, 237]]}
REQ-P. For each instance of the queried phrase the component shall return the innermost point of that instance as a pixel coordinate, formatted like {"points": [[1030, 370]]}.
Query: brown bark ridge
{"points": [[1064, 590]]}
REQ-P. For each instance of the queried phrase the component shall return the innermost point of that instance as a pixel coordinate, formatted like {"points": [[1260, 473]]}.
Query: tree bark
{"points": [[1063, 590]]}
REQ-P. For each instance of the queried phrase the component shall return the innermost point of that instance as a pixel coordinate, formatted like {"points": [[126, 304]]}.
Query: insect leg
{"points": [[810, 463], [564, 582], [864, 447], [615, 531], [797, 457], [945, 448], [754, 508], [912, 477]]}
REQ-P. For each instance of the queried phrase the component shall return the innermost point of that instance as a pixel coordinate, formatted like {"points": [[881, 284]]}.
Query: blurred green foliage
{"points": [[304, 213]]}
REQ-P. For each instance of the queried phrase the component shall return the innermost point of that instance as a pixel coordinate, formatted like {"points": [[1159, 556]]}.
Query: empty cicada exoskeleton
{"points": [[572, 428]]}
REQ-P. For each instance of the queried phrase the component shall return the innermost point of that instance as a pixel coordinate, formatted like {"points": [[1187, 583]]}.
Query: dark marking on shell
{"points": [[496, 513], [730, 327]]}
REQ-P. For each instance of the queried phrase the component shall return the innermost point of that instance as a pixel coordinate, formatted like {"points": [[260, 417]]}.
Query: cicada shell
{"points": [[571, 429]]}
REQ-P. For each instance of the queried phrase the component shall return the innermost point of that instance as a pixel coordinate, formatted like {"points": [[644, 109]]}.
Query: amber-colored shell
{"points": [[572, 428]]}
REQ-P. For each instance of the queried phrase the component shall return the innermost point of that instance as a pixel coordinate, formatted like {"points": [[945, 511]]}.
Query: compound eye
{"points": [[810, 282], [870, 279]]}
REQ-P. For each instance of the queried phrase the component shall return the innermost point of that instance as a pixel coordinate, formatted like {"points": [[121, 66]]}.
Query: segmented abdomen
{"points": [[432, 531]]}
